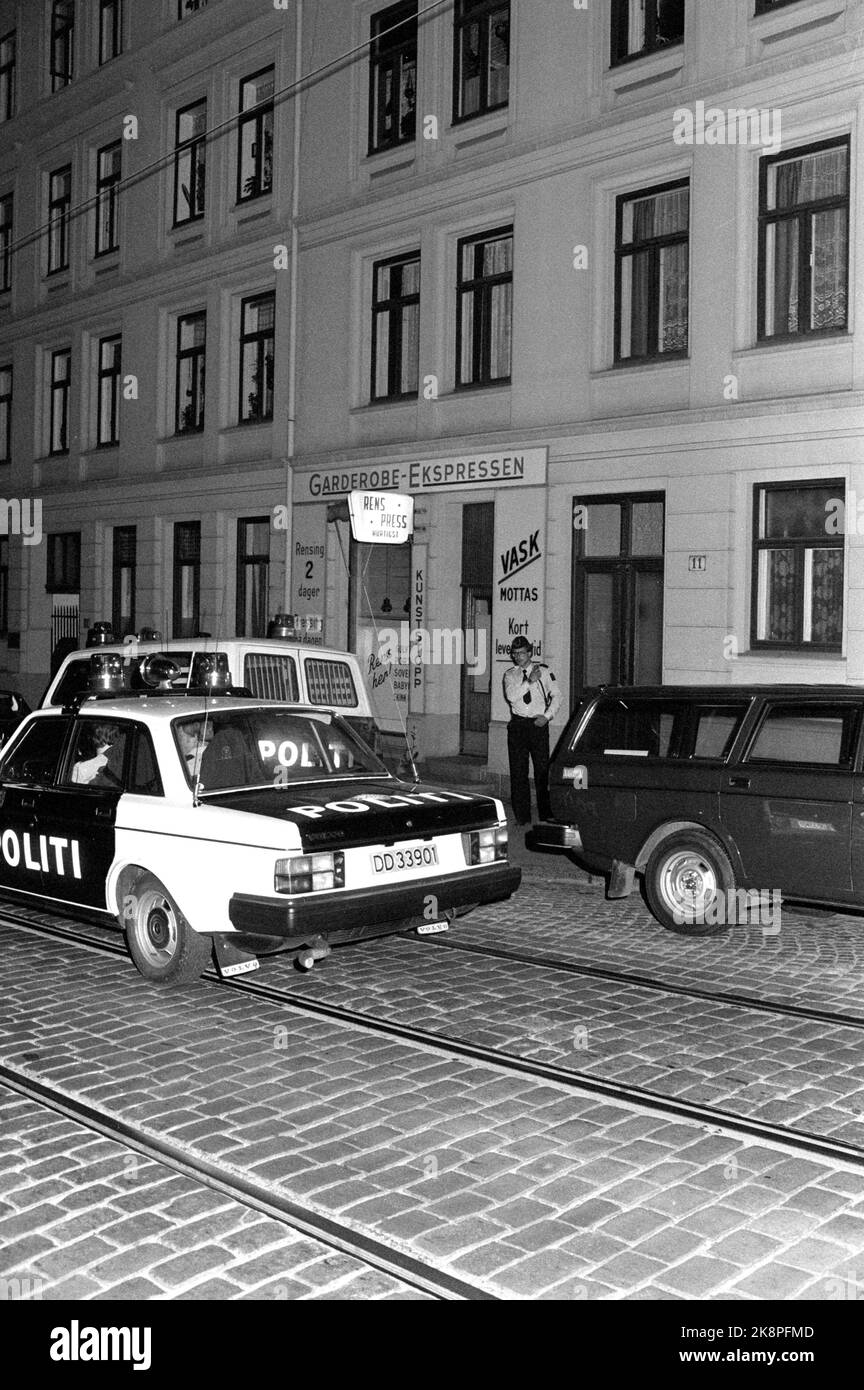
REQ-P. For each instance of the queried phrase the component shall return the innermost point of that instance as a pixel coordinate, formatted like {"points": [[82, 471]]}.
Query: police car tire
{"points": [[685, 861], [163, 946]]}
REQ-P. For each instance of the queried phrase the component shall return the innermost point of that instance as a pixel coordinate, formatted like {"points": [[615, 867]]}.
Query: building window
{"points": [[8, 94], [395, 327], [485, 301], [4, 586], [108, 421], [61, 380], [5, 414], [255, 135], [187, 7], [123, 580], [256, 358], [652, 271], [59, 206], [481, 57], [643, 26], [6, 218], [253, 575], [62, 43], [110, 30], [190, 162], [804, 241], [798, 546], [191, 352], [187, 578], [64, 562], [393, 77], [108, 161]]}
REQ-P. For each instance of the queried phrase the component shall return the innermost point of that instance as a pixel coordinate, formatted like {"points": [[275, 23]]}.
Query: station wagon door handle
{"points": [[739, 782], [28, 803], [104, 812]]}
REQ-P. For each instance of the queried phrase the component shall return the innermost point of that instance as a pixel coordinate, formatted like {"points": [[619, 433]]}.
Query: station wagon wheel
{"points": [[689, 882], [163, 946]]}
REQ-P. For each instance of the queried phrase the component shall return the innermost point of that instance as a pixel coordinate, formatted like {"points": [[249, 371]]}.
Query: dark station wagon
{"points": [[719, 796]]}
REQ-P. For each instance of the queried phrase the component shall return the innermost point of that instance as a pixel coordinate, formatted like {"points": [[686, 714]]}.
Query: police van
{"points": [[271, 668], [233, 827]]}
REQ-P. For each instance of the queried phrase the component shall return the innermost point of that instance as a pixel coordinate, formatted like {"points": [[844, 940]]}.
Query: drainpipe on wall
{"points": [[293, 298]]}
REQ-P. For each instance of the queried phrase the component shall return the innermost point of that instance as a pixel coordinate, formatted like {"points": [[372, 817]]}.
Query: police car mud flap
{"points": [[231, 961]]}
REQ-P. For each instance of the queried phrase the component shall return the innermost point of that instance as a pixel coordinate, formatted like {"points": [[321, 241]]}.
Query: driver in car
{"points": [[193, 736]]}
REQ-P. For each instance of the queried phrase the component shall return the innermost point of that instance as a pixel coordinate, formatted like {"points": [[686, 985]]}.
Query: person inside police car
{"points": [[95, 765], [193, 735], [532, 693]]}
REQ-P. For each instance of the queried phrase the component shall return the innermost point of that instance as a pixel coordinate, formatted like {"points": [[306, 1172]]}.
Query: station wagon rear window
{"points": [[820, 734], [641, 727]]}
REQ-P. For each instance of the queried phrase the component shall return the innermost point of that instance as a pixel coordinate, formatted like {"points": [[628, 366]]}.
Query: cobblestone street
{"points": [[511, 1184]]}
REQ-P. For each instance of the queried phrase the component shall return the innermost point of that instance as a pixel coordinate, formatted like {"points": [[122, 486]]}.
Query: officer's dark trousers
{"points": [[524, 738]]}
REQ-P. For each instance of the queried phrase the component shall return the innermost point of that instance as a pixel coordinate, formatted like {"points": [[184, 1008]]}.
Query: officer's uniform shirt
{"points": [[528, 699]]}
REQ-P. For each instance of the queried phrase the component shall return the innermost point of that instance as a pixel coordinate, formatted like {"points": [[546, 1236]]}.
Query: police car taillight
{"points": [[310, 873], [485, 846]]}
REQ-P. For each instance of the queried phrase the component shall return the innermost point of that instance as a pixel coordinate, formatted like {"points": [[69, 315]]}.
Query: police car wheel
{"points": [[161, 943], [689, 883]]}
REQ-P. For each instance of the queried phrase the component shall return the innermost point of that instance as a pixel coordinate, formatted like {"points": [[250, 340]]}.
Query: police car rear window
{"points": [[236, 749], [330, 683], [818, 734], [639, 727]]}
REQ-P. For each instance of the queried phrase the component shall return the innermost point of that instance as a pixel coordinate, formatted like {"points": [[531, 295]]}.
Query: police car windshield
{"points": [[236, 749]]}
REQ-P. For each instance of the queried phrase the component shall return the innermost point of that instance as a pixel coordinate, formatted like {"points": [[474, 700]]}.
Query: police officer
{"points": [[534, 699]]}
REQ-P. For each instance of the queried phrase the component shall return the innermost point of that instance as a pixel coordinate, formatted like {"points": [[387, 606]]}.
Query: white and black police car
{"points": [[231, 826]]}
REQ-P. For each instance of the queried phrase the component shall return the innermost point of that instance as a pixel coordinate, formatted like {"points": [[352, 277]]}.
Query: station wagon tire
{"points": [[161, 943], [685, 876]]}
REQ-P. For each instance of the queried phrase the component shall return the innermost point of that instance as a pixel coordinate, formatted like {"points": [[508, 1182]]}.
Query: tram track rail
{"points": [[637, 1097], [597, 972]]}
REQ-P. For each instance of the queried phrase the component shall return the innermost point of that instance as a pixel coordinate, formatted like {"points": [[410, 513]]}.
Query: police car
{"points": [[235, 827]]}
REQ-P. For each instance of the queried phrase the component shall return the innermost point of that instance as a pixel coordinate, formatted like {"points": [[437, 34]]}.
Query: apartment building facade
{"points": [[582, 279], [145, 326], [595, 273]]}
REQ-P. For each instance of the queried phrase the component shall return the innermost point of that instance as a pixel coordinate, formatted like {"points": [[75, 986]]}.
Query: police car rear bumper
{"points": [[335, 916]]}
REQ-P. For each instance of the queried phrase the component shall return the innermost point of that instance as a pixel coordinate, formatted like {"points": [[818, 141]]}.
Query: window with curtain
{"points": [[393, 77], [7, 76], [190, 157], [191, 367], [485, 309], [798, 565], [59, 207], [64, 562], [395, 327], [255, 135], [62, 43], [124, 563], [108, 391], [7, 208], [652, 273], [110, 30], [644, 26], [108, 162], [5, 414], [61, 383], [481, 57], [257, 345], [253, 575], [804, 241], [187, 578]]}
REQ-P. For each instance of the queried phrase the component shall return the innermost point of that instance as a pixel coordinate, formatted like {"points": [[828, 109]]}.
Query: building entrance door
{"points": [[478, 525], [617, 609]]}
